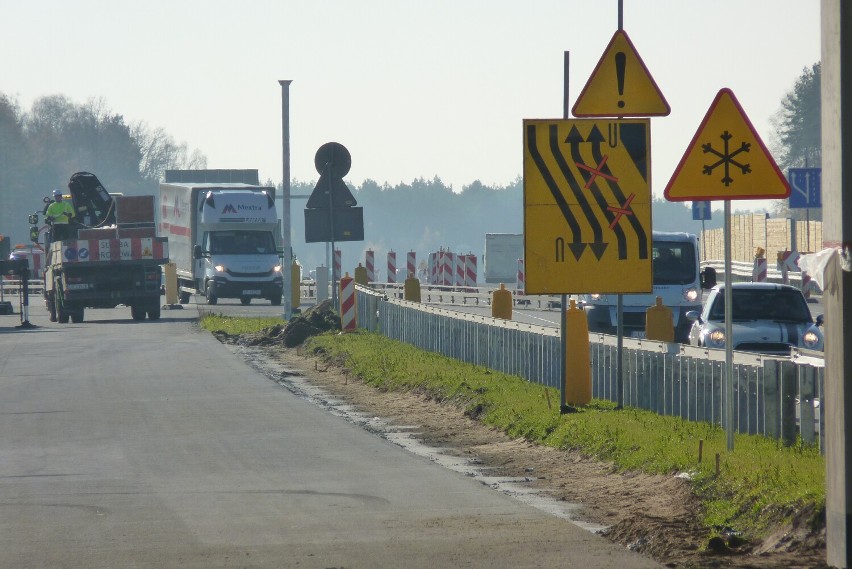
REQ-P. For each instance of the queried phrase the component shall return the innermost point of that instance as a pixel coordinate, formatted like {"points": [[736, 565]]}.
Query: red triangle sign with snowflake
{"points": [[726, 160]]}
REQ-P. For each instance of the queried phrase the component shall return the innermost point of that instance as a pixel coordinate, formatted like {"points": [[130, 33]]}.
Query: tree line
{"points": [[42, 146]]}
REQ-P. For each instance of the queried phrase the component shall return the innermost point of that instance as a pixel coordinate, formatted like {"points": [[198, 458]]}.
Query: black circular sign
{"points": [[334, 159]]}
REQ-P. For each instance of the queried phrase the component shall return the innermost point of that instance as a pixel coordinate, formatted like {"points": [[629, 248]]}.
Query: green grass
{"points": [[234, 325], [760, 482]]}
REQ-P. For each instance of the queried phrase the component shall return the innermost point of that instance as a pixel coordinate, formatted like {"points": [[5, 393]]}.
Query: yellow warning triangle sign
{"points": [[726, 160], [620, 85]]}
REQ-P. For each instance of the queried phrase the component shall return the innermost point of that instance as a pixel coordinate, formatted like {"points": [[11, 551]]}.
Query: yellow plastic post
{"points": [[411, 288], [295, 281], [578, 367], [361, 275], [659, 323], [501, 303], [759, 252], [170, 274]]}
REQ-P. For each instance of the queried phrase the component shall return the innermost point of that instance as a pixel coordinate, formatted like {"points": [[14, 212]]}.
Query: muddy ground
{"points": [[654, 515]]}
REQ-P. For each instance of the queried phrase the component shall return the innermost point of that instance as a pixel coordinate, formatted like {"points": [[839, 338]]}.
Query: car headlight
{"points": [[276, 268], [690, 295], [810, 339], [716, 337], [219, 268], [597, 297]]}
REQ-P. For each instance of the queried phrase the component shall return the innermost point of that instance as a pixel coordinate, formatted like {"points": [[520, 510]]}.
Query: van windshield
{"points": [[238, 242], [674, 263]]}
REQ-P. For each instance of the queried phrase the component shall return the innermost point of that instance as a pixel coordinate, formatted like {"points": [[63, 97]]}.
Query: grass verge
{"points": [[761, 483]]}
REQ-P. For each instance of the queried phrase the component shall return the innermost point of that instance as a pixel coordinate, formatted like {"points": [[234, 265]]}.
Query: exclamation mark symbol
{"points": [[620, 65]]}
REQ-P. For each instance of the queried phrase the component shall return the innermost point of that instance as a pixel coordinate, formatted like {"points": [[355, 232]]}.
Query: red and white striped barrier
{"points": [[411, 265], [758, 274], [371, 266], [348, 321], [470, 270], [458, 278], [808, 285], [338, 264], [129, 248], [521, 283], [448, 266], [391, 267]]}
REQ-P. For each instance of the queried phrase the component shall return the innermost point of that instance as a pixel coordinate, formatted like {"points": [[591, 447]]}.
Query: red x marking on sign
{"points": [[596, 172], [619, 211]]}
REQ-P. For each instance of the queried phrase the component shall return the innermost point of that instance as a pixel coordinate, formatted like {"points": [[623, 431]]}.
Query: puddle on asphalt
{"points": [[406, 437]]}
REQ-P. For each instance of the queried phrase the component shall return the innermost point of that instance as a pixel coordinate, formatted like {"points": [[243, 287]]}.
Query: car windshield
{"points": [[783, 305], [240, 242], [674, 263]]}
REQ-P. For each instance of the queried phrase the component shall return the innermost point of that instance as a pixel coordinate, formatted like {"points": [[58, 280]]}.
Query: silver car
{"points": [[767, 318]]}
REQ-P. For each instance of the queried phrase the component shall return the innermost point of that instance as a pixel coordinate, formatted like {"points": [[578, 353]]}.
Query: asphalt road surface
{"points": [[149, 444]]}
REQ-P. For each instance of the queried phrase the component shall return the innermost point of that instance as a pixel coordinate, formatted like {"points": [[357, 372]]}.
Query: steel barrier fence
{"points": [[777, 397]]}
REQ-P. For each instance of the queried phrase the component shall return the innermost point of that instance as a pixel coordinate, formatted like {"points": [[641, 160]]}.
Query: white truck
{"points": [[678, 280], [224, 239], [502, 251]]}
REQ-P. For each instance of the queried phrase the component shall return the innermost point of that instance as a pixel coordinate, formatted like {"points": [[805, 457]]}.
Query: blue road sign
{"points": [[805, 187], [701, 211]]}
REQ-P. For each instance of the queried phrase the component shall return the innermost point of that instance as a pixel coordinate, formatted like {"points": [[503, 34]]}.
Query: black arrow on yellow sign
{"points": [[574, 139], [576, 246]]}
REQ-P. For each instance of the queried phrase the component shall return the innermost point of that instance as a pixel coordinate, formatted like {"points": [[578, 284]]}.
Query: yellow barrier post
{"points": [[501, 303], [295, 281], [411, 288], [659, 323], [361, 275], [578, 367], [170, 273]]}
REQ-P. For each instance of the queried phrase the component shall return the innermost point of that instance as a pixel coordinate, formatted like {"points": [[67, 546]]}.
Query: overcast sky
{"points": [[412, 88]]}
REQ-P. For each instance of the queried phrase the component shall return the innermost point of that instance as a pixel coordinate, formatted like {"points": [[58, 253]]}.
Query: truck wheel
{"points": [[211, 295], [184, 297], [276, 300], [63, 317], [245, 300], [154, 312], [77, 316], [51, 307], [137, 312]]}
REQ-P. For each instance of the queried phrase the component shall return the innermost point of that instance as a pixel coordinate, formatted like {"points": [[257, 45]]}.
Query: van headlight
{"points": [[810, 339], [276, 269], [716, 337], [597, 296], [690, 295], [219, 268]]}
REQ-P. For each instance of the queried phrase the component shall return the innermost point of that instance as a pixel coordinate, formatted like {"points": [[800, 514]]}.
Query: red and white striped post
{"points": [[338, 263], [371, 265], [411, 264], [470, 270], [459, 272], [520, 285], [392, 267], [758, 274], [348, 321], [807, 285], [447, 272], [433, 268]]}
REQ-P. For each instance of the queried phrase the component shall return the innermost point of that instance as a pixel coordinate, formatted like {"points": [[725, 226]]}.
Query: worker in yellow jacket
{"points": [[59, 213]]}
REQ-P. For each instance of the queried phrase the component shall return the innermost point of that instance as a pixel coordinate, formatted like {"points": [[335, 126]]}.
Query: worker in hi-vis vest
{"points": [[59, 214]]}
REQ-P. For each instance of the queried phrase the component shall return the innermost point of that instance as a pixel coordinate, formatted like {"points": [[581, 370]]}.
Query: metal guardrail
{"points": [[11, 287], [776, 397]]}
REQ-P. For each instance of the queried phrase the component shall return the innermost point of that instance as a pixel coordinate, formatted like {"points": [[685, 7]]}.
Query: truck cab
{"points": [[677, 279]]}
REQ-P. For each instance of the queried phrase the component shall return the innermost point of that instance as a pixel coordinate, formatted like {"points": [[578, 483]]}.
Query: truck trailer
{"points": [[224, 238]]}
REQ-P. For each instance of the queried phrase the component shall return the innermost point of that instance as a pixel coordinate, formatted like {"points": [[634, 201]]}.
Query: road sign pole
{"points": [[287, 260], [729, 335], [563, 332], [619, 352]]}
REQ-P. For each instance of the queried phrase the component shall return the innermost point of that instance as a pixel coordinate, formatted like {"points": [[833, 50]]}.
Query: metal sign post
{"points": [[287, 256], [729, 334]]}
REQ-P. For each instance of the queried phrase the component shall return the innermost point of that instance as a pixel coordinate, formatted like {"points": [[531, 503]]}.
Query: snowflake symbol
{"points": [[726, 158]]}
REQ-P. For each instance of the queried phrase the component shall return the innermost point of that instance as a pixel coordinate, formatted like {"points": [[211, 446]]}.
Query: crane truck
{"points": [[110, 255]]}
